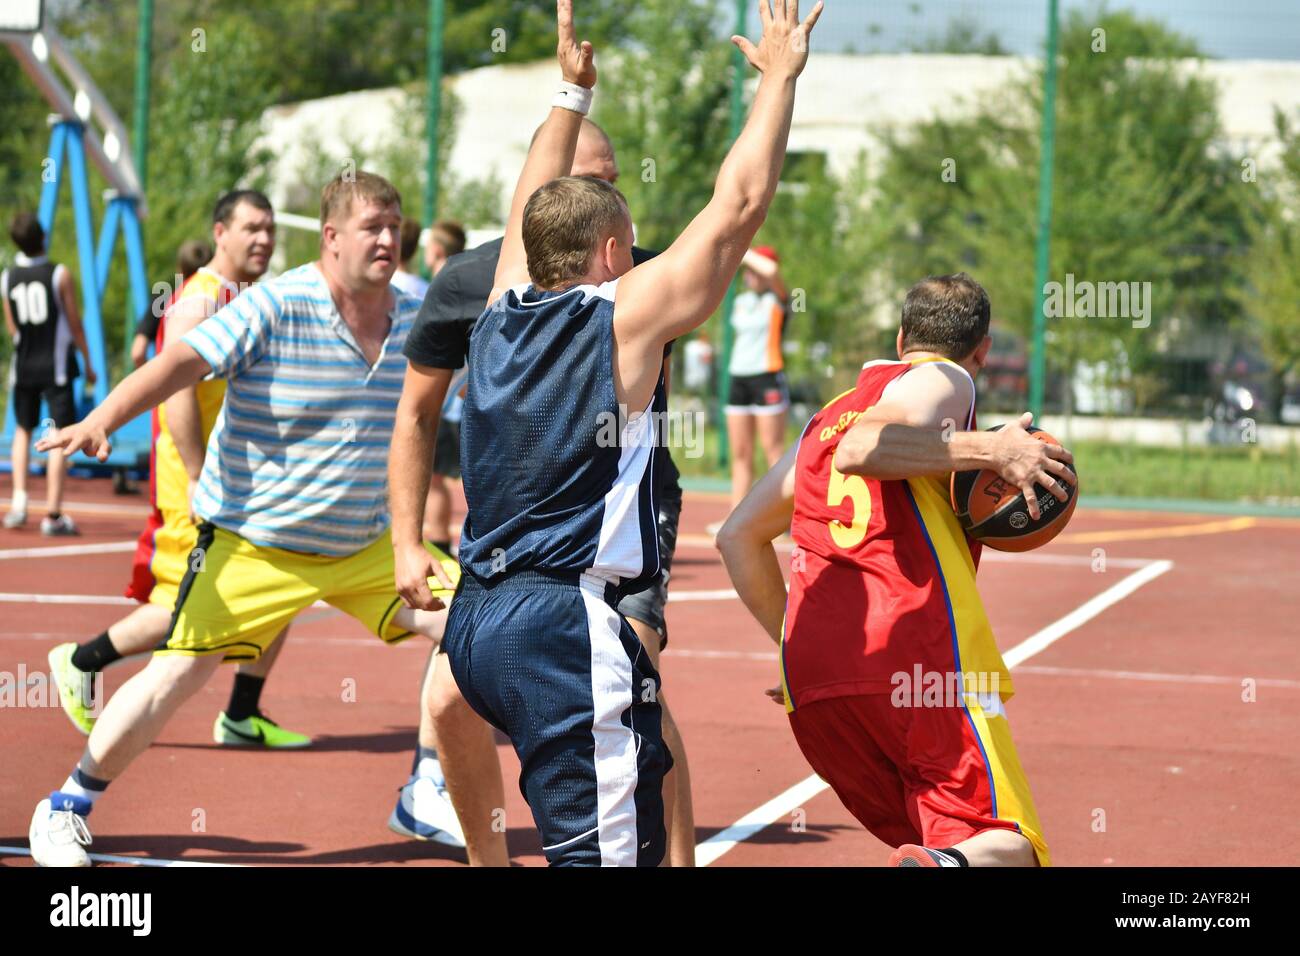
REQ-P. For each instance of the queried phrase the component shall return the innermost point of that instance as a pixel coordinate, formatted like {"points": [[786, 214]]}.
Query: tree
{"points": [[1271, 263], [1138, 192], [664, 103]]}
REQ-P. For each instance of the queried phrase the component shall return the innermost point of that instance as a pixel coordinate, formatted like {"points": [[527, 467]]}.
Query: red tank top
{"points": [[882, 576]]}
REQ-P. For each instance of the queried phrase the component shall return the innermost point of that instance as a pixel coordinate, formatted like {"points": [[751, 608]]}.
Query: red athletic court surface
{"points": [[1158, 695]]}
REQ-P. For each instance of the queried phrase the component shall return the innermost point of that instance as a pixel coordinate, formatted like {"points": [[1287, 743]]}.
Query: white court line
{"points": [[1081, 615], [1157, 678], [722, 655], [87, 599], [786, 803], [1004, 557], [110, 547], [108, 858], [89, 507], [722, 594], [112, 599], [115, 600]]}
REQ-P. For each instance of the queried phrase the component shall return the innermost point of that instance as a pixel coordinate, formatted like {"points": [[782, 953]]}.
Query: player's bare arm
{"points": [[68, 299], [183, 419], [415, 430], [745, 541], [10, 324], [177, 367], [678, 290], [769, 270], [551, 155], [918, 430]]}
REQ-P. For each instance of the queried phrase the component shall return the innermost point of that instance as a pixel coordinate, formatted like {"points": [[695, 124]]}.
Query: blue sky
{"points": [[1232, 29]]}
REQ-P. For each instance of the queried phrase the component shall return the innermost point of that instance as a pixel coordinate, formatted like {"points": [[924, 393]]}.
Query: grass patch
{"points": [[1238, 473]]}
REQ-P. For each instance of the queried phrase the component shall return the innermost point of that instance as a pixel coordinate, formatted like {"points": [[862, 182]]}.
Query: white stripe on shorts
{"points": [[616, 745]]}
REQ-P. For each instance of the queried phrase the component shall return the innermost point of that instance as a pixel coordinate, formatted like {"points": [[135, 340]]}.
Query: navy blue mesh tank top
{"points": [[555, 478]]}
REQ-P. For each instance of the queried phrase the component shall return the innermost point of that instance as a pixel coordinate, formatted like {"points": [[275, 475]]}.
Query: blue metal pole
{"points": [[92, 318], [136, 273], [107, 239], [50, 188]]}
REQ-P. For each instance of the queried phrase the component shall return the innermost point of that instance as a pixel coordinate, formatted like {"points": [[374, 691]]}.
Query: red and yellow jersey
{"points": [[171, 482], [883, 576]]}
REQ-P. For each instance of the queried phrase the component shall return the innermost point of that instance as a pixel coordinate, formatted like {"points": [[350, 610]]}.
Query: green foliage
{"points": [[830, 242], [1271, 293], [1139, 192], [669, 124], [671, 130]]}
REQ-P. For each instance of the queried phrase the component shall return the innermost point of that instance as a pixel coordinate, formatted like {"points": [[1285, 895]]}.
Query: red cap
{"points": [[767, 252]]}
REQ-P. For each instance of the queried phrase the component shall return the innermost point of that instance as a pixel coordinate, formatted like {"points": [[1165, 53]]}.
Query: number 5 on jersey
{"points": [[854, 488]]}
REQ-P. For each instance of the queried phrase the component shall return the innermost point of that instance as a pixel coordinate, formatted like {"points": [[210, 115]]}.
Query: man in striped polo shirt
{"points": [[292, 499]]}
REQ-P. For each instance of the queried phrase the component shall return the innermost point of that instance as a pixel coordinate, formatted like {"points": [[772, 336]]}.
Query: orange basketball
{"points": [[994, 512]]}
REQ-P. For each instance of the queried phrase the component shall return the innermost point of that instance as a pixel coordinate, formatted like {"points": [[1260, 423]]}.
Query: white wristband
{"points": [[571, 96]]}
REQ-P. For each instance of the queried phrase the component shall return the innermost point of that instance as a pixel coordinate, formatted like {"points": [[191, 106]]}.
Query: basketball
{"points": [[994, 512]]}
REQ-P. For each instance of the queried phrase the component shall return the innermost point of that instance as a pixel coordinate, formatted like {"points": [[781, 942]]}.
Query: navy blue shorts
{"points": [[549, 661]]}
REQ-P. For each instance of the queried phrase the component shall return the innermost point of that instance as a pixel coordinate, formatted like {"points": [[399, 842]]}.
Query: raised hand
{"points": [[577, 60], [783, 49]]}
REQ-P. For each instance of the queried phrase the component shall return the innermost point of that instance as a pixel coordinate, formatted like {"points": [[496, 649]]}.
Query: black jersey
{"points": [[44, 353]]}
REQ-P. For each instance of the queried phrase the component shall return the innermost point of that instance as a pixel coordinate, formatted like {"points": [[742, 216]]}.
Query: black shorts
{"points": [[446, 450], [648, 606], [765, 394], [27, 405]]}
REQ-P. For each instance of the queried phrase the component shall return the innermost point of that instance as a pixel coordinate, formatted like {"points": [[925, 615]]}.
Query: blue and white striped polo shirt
{"points": [[298, 458]]}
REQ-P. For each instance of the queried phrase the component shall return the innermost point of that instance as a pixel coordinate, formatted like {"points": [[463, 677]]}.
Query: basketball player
{"points": [[561, 514], [295, 513], [437, 348], [243, 234], [43, 320], [883, 585]]}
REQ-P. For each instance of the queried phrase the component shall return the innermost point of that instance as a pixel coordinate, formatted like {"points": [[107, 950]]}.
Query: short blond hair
{"points": [[340, 192], [563, 222]]}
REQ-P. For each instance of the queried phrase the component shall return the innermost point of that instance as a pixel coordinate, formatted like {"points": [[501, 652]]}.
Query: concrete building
{"points": [[845, 102]]}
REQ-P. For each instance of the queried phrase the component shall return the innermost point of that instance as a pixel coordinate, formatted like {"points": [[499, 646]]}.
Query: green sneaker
{"points": [[76, 688], [256, 731]]}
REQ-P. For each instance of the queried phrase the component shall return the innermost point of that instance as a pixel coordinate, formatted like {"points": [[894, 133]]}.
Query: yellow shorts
{"points": [[162, 556], [237, 596]]}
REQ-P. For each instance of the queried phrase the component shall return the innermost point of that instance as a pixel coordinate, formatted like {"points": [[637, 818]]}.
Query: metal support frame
{"points": [[85, 127]]}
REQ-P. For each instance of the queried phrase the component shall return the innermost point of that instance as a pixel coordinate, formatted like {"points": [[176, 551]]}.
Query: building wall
{"points": [[845, 102]]}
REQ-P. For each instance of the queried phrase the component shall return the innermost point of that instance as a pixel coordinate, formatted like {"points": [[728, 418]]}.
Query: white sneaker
{"points": [[57, 837], [59, 527], [15, 519], [424, 812]]}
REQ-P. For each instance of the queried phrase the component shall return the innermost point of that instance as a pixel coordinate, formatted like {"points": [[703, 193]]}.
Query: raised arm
{"points": [[769, 270], [551, 155], [676, 291]]}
